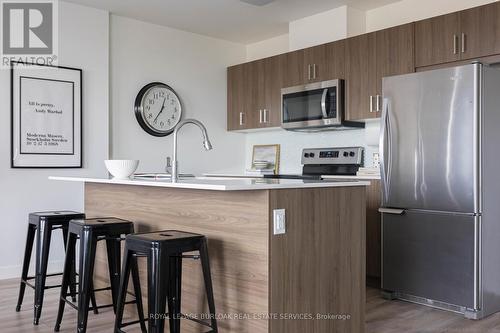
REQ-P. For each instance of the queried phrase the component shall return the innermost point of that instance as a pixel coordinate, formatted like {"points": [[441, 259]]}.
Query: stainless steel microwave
{"points": [[315, 106]]}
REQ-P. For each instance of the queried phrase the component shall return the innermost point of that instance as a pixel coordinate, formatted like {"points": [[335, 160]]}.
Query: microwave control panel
{"points": [[345, 155]]}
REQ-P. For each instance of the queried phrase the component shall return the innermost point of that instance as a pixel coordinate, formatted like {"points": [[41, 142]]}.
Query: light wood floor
{"points": [[382, 316]]}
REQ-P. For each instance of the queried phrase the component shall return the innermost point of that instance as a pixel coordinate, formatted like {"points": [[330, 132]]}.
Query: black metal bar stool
{"points": [[164, 251], [41, 225], [90, 231]]}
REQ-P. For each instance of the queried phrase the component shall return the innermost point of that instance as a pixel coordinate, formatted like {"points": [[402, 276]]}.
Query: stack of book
{"points": [[375, 172]]}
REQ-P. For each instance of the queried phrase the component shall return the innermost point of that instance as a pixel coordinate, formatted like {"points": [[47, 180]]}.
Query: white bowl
{"points": [[121, 169]]}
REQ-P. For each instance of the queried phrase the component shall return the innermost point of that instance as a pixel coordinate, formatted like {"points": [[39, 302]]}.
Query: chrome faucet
{"points": [[206, 144]]}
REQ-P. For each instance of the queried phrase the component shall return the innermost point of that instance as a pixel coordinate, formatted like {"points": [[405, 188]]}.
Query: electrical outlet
{"points": [[376, 160], [279, 221]]}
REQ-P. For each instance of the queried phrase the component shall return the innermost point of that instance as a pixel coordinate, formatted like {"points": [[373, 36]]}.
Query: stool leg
{"points": [[72, 284], [157, 290], [87, 258], [44, 235], [138, 294], [122, 293], [205, 263], [113, 249], [174, 293], [92, 298], [66, 278], [30, 238]]}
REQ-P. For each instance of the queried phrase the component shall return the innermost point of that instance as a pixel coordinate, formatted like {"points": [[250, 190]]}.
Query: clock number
{"points": [[162, 123], [150, 115]]}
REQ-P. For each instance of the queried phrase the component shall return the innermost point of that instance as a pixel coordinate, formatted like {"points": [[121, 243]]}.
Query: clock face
{"points": [[158, 109]]}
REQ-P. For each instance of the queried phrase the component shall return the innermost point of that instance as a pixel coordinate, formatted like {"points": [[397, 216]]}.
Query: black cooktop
{"points": [[305, 177]]}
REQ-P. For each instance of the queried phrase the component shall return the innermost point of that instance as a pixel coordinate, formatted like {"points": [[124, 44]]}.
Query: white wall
{"points": [[267, 48], [83, 43], [195, 66], [318, 29], [406, 11]]}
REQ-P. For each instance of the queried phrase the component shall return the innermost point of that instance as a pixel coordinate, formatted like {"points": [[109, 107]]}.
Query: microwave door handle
{"points": [[323, 103]]}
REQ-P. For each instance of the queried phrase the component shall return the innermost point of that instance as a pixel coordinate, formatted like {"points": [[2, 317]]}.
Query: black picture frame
{"points": [[12, 114]]}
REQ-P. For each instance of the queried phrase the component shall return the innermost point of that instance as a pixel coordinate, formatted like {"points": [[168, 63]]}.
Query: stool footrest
{"points": [[132, 323], [198, 321], [102, 289]]}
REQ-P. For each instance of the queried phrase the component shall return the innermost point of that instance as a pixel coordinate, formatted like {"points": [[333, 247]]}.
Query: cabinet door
{"points": [[480, 31], [273, 76], [293, 69], [315, 64], [394, 55], [437, 40], [360, 76], [335, 64], [253, 93], [235, 97]]}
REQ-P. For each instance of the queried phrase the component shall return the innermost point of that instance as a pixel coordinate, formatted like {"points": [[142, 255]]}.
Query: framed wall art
{"points": [[266, 157], [46, 116]]}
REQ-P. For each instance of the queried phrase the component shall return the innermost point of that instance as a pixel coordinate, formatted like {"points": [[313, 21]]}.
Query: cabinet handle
{"points": [[266, 118], [309, 72], [241, 119], [378, 103], [314, 71], [371, 104], [260, 116], [463, 42], [455, 44]]}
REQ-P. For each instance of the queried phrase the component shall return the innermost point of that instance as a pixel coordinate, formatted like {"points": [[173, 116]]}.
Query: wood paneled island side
{"points": [[310, 279]]}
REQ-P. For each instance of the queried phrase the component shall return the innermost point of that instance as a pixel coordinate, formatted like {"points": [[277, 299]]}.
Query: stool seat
{"points": [[106, 226], [171, 241], [56, 214]]}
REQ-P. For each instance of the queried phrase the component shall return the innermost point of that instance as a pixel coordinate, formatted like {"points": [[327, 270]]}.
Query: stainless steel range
{"points": [[317, 162]]}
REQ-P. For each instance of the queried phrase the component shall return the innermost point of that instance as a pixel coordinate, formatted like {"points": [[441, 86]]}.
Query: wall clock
{"points": [[158, 109]]}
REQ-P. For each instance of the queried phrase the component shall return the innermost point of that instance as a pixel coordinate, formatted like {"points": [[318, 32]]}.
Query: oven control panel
{"points": [[345, 155]]}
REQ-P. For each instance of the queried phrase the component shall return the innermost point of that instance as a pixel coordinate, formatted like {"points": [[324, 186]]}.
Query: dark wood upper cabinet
{"points": [[437, 40], [335, 64], [314, 64], [360, 66], [371, 57], [254, 94], [394, 52], [235, 98], [273, 81], [293, 69], [469, 34], [480, 31]]}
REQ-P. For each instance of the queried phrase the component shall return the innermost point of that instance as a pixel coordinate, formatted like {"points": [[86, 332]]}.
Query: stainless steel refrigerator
{"points": [[440, 146]]}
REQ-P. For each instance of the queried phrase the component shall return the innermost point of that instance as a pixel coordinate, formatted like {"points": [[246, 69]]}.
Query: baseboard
{"points": [[11, 272]]}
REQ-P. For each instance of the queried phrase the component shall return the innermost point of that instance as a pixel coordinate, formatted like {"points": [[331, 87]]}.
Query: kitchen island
{"points": [[309, 279]]}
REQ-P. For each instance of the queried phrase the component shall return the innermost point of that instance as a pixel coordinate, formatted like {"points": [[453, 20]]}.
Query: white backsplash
{"points": [[292, 143]]}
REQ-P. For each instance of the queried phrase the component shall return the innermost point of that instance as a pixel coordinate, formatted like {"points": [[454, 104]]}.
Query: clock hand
{"points": [[161, 110]]}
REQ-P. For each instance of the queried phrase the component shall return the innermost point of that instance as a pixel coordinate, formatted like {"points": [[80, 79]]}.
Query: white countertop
{"points": [[223, 184], [371, 177]]}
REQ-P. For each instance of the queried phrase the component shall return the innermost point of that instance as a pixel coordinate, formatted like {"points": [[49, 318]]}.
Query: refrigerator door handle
{"points": [[385, 149], [391, 211]]}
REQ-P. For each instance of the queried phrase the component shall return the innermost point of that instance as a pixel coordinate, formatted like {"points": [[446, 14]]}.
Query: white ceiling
{"points": [[226, 19]]}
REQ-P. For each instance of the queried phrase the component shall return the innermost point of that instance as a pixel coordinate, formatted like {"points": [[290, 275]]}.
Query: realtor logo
{"points": [[29, 31]]}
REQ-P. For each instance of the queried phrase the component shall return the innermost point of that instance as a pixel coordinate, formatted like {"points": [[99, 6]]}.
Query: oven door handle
{"points": [[323, 103]]}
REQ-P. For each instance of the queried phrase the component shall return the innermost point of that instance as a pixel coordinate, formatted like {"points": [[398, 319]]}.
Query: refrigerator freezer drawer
{"points": [[431, 256]]}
